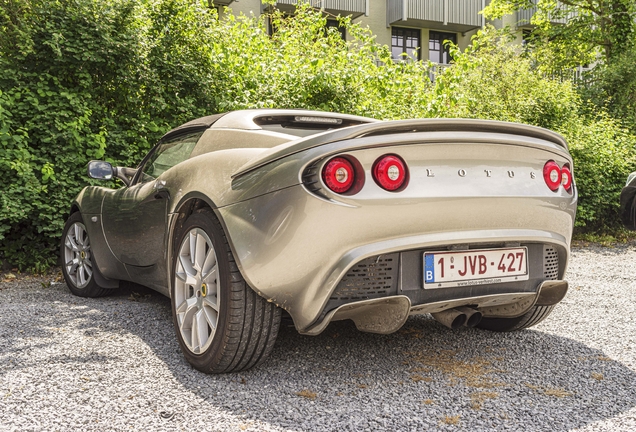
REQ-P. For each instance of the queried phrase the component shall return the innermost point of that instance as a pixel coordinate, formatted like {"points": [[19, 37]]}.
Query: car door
{"points": [[135, 217]]}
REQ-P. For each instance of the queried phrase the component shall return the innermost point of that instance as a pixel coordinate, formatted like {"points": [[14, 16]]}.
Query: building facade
{"points": [[411, 28]]}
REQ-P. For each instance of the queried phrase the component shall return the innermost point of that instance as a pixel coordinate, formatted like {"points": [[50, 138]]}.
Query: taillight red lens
{"points": [[338, 175], [552, 175], [389, 172], [566, 177]]}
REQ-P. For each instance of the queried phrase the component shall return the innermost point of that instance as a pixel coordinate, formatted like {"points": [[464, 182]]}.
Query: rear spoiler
{"points": [[400, 127]]}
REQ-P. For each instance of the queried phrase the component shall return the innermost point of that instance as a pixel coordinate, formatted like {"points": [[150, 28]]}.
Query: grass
{"points": [[418, 378], [473, 372], [477, 399], [551, 391], [451, 420], [620, 236], [307, 394]]}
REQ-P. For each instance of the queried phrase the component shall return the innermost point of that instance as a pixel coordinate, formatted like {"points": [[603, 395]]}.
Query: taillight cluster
{"points": [[338, 175], [389, 172], [341, 174], [556, 176]]}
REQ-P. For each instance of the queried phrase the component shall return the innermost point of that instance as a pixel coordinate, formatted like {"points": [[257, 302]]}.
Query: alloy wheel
{"points": [[77, 255], [197, 291]]}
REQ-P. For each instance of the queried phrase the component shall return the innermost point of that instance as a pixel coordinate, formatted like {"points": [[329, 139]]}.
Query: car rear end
{"points": [[411, 217]]}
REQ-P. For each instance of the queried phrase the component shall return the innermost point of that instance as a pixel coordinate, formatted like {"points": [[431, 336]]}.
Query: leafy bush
{"points": [[492, 80], [103, 79], [604, 154], [305, 64], [84, 80], [614, 87]]}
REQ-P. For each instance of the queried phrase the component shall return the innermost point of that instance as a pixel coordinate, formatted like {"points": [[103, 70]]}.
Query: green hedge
{"points": [[103, 79], [82, 80]]}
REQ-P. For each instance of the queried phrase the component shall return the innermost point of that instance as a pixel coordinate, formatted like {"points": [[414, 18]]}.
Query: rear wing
{"points": [[400, 127]]}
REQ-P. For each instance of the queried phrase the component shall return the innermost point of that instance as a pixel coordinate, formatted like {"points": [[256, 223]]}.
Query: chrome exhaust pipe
{"points": [[473, 316], [451, 318]]}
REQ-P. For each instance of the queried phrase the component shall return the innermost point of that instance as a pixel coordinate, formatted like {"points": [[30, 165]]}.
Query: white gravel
{"points": [[68, 363]]}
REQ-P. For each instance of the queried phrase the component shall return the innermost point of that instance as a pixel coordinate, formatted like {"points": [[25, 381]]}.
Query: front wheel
{"points": [[222, 325], [78, 265], [534, 316]]}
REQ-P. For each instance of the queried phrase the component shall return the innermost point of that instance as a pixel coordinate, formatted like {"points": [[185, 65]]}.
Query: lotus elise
{"points": [[240, 217]]}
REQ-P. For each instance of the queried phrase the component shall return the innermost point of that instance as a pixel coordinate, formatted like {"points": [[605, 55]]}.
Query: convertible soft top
{"points": [[197, 124]]}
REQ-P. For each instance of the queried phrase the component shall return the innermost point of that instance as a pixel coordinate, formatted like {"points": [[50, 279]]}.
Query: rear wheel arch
{"points": [[191, 204], [247, 324]]}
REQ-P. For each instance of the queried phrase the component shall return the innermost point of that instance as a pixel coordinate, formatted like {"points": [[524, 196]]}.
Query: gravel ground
{"points": [[68, 363]]}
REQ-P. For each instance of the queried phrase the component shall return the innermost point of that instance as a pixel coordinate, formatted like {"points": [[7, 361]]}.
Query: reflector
{"points": [[566, 177]]}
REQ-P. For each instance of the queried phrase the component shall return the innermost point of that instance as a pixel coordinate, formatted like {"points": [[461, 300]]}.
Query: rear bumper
{"points": [[387, 315], [294, 248]]}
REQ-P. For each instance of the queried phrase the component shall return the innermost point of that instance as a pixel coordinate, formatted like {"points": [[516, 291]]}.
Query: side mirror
{"points": [[100, 170]]}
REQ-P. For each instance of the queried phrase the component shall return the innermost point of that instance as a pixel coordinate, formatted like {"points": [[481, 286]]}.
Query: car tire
{"points": [[222, 325], [533, 317], [78, 263]]}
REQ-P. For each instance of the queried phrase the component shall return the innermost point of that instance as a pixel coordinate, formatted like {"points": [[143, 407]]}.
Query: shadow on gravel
{"points": [[424, 374]]}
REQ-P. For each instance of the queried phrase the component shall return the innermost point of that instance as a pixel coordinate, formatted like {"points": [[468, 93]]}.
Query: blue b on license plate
{"points": [[475, 267]]}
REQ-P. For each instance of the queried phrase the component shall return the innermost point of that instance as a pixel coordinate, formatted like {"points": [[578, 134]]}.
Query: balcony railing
{"points": [[220, 2], [580, 76], [337, 7], [524, 16], [458, 15]]}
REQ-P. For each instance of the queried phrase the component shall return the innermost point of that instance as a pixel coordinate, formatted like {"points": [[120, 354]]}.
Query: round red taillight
{"points": [[338, 175], [389, 172], [552, 175], [566, 177]]}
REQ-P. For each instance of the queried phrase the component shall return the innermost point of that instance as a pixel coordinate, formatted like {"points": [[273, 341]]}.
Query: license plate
{"points": [[475, 267]]}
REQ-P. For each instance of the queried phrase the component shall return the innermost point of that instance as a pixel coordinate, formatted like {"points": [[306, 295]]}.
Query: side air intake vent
{"points": [[550, 262], [311, 178]]}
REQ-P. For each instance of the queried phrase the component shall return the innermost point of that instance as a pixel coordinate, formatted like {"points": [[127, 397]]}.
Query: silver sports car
{"points": [[238, 217], [628, 202]]}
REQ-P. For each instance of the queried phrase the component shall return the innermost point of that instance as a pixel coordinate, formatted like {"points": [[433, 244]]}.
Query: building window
{"points": [[335, 24], [405, 40], [437, 52]]}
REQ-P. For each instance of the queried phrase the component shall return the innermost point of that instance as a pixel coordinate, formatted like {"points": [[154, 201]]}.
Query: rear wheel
{"points": [[534, 316], [78, 265], [222, 325]]}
